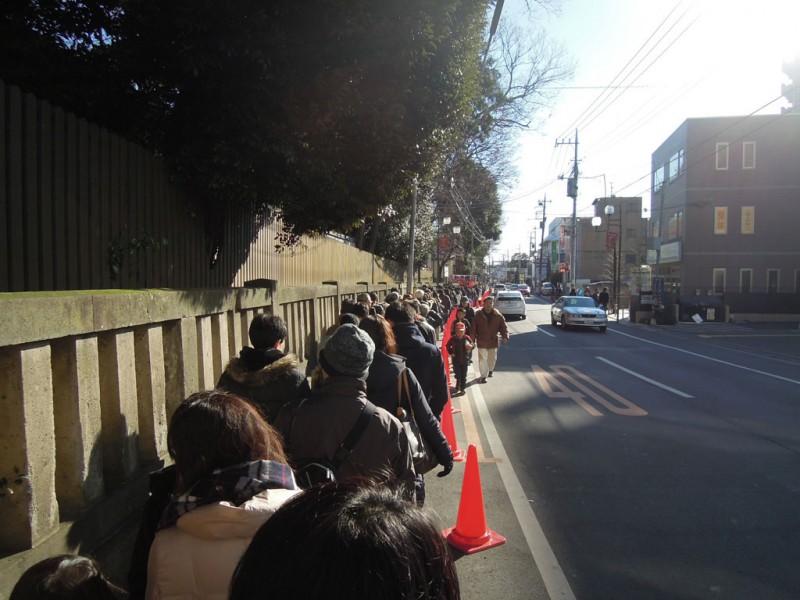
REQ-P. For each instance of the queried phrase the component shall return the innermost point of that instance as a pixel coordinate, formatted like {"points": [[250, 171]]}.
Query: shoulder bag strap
{"points": [[291, 426], [407, 388], [346, 447], [400, 378]]}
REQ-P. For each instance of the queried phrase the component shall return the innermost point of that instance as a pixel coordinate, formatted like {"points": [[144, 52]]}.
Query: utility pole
{"points": [[542, 265], [531, 254], [660, 237], [572, 192]]}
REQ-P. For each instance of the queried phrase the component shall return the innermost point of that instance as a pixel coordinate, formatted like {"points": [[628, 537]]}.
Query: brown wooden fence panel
{"points": [[85, 209]]}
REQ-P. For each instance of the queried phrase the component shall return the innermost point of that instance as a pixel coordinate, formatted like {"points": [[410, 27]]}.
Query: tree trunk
{"points": [[361, 234], [376, 228]]}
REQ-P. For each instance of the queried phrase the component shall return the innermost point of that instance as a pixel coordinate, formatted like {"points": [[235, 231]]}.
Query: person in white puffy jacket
{"points": [[231, 477]]}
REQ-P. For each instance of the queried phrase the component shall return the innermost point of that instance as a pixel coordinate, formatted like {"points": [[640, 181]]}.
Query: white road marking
{"points": [[716, 360], [540, 330], [643, 378], [553, 576]]}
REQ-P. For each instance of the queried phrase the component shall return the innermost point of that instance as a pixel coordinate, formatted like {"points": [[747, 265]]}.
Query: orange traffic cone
{"points": [[449, 431], [471, 534], [453, 408]]}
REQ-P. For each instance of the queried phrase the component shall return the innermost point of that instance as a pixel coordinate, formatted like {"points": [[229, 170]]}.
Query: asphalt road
{"points": [[640, 463]]}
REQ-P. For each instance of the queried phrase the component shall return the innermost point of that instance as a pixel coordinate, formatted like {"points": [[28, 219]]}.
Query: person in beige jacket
{"points": [[485, 328], [231, 477]]}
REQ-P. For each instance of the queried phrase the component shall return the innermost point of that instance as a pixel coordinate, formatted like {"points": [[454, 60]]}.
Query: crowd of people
{"points": [[229, 519]]}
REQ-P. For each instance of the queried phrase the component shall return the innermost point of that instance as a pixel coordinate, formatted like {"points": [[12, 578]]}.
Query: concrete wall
{"points": [[88, 382]]}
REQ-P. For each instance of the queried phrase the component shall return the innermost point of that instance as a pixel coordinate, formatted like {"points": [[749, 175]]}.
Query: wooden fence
{"points": [[86, 209]]}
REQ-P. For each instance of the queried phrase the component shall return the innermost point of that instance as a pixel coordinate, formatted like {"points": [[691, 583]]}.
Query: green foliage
{"points": [[321, 112], [120, 248], [7, 484]]}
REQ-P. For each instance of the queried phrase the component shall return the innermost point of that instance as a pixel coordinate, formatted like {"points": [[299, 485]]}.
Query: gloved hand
{"points": [[447, 469]]}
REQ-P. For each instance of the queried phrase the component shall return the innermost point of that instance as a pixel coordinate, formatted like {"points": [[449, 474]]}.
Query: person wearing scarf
{"points": [[231, 476]]}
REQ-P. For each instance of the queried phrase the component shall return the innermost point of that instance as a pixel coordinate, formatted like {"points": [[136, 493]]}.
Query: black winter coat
{"points": [[382, 391], [425, 361], [268, 378]]}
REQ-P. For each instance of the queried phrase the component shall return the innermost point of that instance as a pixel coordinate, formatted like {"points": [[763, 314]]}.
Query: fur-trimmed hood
{"points": [[272, 379], [281, 367]]}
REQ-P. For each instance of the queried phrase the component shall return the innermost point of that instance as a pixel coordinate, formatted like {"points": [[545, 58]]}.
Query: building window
{"points": [[658, 178], [772, 281], [748, 220], [719, 281], [720, 220], [722, 156], [749, 155], [674, 225], [745, 280], [675, 165]]}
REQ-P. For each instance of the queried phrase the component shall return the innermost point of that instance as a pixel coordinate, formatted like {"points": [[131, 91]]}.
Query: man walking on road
{"points": [[484, 329]]}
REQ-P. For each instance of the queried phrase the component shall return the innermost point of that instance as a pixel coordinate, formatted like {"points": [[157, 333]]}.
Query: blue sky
{"points": [[696, 58]]}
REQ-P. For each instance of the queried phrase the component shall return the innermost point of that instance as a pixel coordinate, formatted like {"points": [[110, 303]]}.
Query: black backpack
{"points": [[317, 471]]}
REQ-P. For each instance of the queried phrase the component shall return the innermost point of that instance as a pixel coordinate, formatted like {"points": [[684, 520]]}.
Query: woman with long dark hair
{"points": [[231, 476]]}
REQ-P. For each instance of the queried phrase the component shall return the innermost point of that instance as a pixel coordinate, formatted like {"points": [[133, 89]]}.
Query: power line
{"points": [[711, 137], [572, 125], [609, 101]]}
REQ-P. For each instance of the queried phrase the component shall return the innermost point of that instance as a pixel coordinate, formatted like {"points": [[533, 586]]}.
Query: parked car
{"points": [[510, 303], [524, 289], [578, 311]]}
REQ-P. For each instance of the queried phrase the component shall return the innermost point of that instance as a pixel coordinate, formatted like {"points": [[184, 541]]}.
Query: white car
{"points": [[578, 311], [510, 303]]}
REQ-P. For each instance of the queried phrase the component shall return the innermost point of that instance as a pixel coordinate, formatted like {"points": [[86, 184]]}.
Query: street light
{"points": [[616, 244]]}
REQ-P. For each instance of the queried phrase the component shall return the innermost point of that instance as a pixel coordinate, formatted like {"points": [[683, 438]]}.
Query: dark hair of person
{"points": [[401, 312], [364, 541], [64, 577], [216, 429], [267, 330], [348, 318], [381, 333], [373, 296], [361, 310], [378, 308], [348, 306]]}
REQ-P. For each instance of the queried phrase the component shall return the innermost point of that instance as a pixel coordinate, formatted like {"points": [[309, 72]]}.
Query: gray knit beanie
{"points": [[349, 351]]}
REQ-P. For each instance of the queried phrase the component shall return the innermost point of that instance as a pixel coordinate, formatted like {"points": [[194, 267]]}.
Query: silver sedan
{"points": [[578, 311]]}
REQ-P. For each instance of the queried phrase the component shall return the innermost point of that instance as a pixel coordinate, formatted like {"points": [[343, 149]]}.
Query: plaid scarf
{"points": [[236, 484]]}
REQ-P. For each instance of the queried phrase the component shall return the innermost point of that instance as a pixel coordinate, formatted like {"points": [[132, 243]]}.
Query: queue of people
{"points": [[229, 519]]}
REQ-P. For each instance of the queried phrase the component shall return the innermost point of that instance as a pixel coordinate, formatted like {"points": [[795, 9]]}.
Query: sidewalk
{"points": [[508, 571]]}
